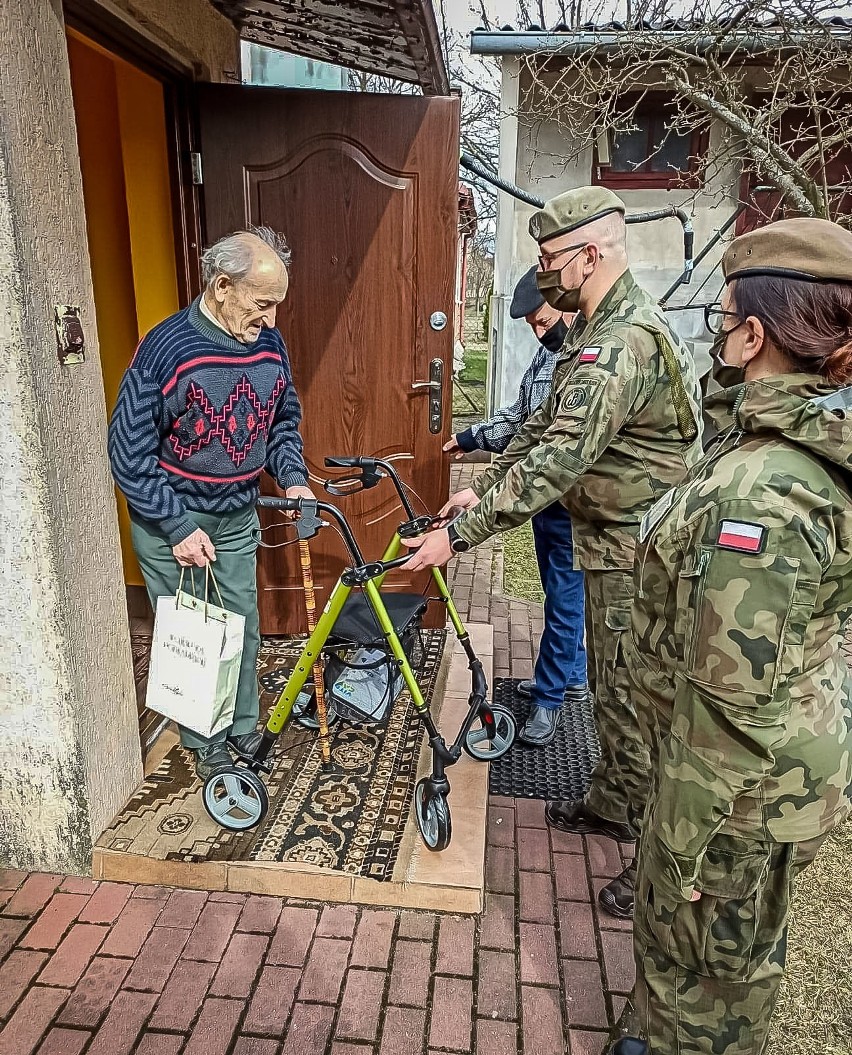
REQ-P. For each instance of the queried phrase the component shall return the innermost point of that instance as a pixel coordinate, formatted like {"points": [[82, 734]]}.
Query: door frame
{"points": [[112, 33], [115, 36]]}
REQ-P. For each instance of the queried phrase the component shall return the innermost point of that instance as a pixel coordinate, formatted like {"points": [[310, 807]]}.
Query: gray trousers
{"points": [[235, 569]]}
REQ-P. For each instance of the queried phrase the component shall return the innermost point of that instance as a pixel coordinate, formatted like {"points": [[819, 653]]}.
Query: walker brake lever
{"points": [[415, 527], [309, 522]]}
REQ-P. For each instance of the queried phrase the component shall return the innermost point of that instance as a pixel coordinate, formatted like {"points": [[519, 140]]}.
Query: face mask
{"points": [[554, 338], [557, 296], [724, 375]]}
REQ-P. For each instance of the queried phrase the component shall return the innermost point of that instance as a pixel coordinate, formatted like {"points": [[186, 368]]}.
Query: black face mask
{"points": [[724, 375], [554, 338]]}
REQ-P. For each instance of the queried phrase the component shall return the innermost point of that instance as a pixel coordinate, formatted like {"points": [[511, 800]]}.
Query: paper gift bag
{"points": [[196, 655]]}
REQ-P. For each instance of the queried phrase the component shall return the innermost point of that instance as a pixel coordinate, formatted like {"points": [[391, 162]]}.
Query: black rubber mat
{"points": [[562, 770]]}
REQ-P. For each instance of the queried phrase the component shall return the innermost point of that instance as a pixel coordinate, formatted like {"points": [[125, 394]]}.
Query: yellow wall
{"points": [[121, 131]]}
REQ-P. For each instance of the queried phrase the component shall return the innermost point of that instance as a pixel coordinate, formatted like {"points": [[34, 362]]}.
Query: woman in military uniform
{"points": [[743, 581]]}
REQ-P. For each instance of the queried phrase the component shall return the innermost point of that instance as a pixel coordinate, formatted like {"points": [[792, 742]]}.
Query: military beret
{"points": [[802, 248], [573, 209], [527, 297]]}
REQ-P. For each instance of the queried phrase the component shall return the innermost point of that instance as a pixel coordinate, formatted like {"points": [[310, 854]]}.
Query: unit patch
{"points": [[741, 536], [574, 398], [590, 353]]}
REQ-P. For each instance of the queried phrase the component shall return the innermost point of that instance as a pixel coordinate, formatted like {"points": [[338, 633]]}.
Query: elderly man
{"points": [[560, 670], [619, 430], [206, 405]]}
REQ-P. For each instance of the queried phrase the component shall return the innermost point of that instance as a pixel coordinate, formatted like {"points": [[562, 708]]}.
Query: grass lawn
{"points": [[814, 1011], [520, 569]]}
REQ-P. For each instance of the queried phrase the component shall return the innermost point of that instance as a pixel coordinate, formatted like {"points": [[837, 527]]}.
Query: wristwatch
{"points": [[457, 543]]}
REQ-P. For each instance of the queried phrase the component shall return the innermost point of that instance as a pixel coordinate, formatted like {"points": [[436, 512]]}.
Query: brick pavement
{"points": [[110, 969]]}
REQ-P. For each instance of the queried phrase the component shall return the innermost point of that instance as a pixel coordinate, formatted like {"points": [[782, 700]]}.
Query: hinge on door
{"points": [[195, 164]]}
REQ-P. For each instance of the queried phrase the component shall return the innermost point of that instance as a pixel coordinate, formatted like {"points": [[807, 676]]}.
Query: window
{"points": [[651, 154]]}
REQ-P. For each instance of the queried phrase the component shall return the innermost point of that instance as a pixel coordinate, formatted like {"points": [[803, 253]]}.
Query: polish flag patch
{"points": [[590, 354], [741, 536]]}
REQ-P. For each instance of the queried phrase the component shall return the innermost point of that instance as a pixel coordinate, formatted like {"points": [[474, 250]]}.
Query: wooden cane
{"points": [[319, 682]]}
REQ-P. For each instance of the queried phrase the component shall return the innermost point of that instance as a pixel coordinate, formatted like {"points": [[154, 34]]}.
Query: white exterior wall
{"points": [[655, 249]]}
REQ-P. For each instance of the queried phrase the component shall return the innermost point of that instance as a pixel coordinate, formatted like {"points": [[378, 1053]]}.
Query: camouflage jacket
{"points": [[743, 580], [615, 433]]}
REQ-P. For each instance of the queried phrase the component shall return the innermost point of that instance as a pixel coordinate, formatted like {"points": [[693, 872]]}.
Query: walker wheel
{"points": [[305, 713], [433, 816], [235, 798], [487, 740]]}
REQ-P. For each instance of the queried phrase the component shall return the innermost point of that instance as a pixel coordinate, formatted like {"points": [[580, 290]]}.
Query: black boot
{"points": [[246, 744], [616, 898], [575, 816], [540, 728]]}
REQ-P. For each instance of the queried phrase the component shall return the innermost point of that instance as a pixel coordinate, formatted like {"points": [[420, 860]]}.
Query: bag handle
{"points": [[208, 578]]}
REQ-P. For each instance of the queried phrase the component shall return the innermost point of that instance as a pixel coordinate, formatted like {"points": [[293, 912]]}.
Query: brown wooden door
{"points": [[365, 188]]}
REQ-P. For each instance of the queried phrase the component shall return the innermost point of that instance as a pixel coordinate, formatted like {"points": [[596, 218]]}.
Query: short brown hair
{"points": [[809, 322]]}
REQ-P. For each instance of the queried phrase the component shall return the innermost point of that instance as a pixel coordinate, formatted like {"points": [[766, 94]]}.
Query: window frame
{"points": [[652, 103]]}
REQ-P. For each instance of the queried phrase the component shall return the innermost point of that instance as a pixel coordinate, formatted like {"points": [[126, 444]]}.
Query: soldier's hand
{"points": [[452, 447], [196, 551], [460, 502], [430, 550], [696, 895]]}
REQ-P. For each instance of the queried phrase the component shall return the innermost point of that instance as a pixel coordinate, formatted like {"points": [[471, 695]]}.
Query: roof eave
{"points": [[420, 60], [575, 45]]}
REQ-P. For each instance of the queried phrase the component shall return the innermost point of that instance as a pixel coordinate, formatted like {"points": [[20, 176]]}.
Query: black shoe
{"points": [[630, 1046], [540, 728], [573, 693], [575, 816], [246, 744], [616, 898], [576, 694], [214, 758]]}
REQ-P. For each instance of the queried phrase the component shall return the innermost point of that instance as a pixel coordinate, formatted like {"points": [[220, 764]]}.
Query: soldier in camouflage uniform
{"points": [[743, 581], [619, 429]]}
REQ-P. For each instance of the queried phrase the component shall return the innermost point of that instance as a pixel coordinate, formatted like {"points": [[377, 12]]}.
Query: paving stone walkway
{"points": [[111, 969]]}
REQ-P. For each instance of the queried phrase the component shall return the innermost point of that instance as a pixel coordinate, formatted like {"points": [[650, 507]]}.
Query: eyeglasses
{"points": [[714, 318], [546, 259]]}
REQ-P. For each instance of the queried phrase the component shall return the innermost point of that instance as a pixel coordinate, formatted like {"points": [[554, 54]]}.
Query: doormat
{"points": [[350, 818], [562, 770]]}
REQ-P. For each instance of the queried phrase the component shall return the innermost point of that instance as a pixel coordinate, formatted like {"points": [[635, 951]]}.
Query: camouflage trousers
{"points": [[708, 971], [620, 782]]}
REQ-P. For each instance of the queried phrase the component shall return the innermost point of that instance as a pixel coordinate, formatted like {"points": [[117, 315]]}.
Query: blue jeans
{"points": [[561, 654]]}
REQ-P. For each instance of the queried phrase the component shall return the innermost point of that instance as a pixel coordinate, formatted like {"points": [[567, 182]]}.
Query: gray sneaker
{"points": [[213, 758], [540, 728]]}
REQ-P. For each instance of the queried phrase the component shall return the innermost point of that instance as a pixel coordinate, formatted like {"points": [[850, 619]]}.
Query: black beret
{"points": [[527, 297]]}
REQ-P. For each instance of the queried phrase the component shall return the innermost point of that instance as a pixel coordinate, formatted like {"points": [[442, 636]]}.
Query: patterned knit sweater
{"points": [[199, 416]]}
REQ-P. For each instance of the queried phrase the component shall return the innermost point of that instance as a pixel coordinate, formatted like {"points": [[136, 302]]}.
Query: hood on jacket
{"points": [[788, 404]]}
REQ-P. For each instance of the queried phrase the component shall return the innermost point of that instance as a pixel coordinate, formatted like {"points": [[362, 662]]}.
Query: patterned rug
{"points": [[350, 818]]}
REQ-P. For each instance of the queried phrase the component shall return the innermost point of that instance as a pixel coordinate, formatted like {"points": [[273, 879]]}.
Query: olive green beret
{"points": [[802, 248], [574, 208]]}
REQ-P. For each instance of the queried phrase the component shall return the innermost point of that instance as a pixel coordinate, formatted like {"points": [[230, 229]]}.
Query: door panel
{"points": [[365, 188]]}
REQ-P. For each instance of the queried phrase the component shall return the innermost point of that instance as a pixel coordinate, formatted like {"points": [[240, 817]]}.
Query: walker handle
{"points": [[346, 463], [288, 505]]}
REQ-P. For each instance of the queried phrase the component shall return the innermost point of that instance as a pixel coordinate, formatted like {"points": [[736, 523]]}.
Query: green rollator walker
{"points": [[357, 616]]}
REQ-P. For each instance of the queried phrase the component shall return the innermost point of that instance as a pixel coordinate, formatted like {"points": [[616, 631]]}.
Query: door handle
{"points": [[435, 387]]}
